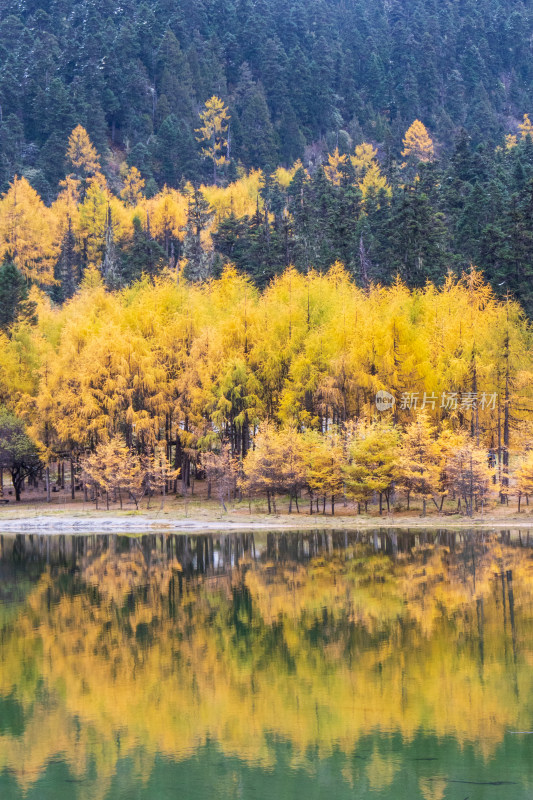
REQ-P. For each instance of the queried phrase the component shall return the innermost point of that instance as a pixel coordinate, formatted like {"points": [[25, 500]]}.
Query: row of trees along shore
{"points": [[284, 379]]}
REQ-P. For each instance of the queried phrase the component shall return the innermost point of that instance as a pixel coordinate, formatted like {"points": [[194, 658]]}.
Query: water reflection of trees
{"points": [[157, 644]]}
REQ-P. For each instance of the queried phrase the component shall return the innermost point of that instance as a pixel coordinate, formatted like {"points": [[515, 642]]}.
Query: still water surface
{"points": [[388, 664]]}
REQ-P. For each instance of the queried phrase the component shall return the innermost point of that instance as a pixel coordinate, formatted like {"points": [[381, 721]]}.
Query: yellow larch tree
{"points": [[134, 183], [83, 156], [468, 474], [212, 132], [524, 478], [374, 183], [323, 461], [333, 168], [369, 177], [417, 143], [27, 232], [417, 467], [526, 127], [365, 155], [510, 141], [372, 459], [113, 469], [166, 218], [261, 466]]}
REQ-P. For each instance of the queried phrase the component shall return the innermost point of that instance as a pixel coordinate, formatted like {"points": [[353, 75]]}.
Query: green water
{"points": [[388, 664]]}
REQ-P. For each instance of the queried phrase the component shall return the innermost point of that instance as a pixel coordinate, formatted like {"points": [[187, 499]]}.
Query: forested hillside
{"points": [[320, 72], [419, 218]]}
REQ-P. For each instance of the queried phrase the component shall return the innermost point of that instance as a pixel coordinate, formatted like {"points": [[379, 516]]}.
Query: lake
{"points": [[392, 664]]}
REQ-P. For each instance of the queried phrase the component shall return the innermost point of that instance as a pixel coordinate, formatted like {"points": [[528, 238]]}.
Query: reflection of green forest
{"points": [[338, 657]]}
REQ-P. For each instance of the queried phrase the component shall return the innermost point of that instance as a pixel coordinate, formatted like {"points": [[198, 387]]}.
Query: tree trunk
{"points": [[519, 499], [380, 504], [47, 474], [72, 480], [423, 506], [332, 505]]}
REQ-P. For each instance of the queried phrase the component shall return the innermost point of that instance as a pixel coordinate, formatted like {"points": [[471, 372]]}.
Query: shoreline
{"points": [[168, 522]]}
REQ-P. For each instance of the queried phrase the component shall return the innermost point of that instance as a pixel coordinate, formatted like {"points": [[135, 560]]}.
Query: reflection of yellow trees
{"points": [[319, 655]]}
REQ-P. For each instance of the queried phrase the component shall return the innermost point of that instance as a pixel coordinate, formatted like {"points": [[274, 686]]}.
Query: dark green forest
{"points": [[134, 75], [299, 80]]}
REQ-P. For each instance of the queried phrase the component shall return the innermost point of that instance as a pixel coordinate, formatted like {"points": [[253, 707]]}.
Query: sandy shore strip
{"points": [[60, 523]]}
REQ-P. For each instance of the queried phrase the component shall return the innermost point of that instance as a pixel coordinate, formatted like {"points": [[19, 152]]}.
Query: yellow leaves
{"points": [[98, 208], [311, 351], [526, 127], [524, 475], [284, 176], [365, 156], [240, 197], [214, 117], [215, 121], [510, 141], [81, 153], [132, 193], [368, 174], [26, 232], [334, 166], [373, 183], [418, 462], [167, 214], [301, 678], [373, 454], [417, 143], [113, 467]]}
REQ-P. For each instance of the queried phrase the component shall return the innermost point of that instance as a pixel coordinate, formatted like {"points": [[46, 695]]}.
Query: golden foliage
{"points": [[213, 130], [132, 193], [526, 127], [27, 232], [130, 668], [417, 143]]}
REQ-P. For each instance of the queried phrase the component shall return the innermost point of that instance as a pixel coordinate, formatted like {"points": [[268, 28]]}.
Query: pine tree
{"points": [[14, 301], [110, 262], [66, 271], [198, 258], [143, 256]]}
